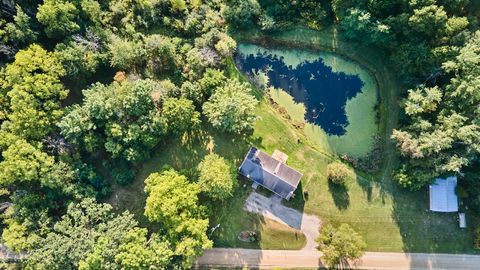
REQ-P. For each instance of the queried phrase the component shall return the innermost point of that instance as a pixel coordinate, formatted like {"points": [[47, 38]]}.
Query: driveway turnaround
{"points": [[256, 258], [272, 208]]}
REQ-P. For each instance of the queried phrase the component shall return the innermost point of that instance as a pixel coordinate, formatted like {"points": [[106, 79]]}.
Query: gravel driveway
{"points": [[272, 208]]}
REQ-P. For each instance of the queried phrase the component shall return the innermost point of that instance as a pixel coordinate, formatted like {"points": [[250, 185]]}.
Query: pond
{"points": [[334, 97]]}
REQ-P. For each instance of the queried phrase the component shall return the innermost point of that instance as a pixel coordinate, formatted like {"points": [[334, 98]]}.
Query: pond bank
{"points": [[333, 98]]}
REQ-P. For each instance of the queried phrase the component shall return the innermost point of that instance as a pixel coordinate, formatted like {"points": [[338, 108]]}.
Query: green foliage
{"points": [[22, 162], [136, 252], [338, 172], [359, 25], [126, 54], [17, 237], [242, 14], [429, 20], [122, 172], [216, 177], [123, 115], [476, 239], [18, 32], [226, 45], [441, 135], [231, 108], [173, 202], [162, 54], [423, 100], [33, 90], [180, 115], [88, 234], [80, 59], [59, 18], [212, 78], [340, 244]]}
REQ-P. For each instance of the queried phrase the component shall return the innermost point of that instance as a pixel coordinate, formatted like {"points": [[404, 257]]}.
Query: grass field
{"points": [[387, 216]]}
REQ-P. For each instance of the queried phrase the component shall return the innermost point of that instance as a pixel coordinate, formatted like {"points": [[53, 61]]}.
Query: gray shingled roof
{"points": [[270, 173]]}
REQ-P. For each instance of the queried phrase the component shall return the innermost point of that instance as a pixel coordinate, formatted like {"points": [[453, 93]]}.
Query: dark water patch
{"points": [[323, 91]]}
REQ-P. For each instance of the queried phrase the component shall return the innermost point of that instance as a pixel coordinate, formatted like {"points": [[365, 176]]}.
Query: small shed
{"points": [[442, 195], [270, 172]]}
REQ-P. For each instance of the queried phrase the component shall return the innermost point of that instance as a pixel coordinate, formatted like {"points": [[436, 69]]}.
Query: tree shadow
{"points": [[340, 195], [366, 185]]}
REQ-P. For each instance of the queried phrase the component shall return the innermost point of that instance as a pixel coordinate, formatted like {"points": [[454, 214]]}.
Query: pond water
{"points": [[335, 95]]}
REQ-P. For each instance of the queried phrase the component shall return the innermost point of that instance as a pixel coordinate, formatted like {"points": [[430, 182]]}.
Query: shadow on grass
{"points": [[426, 231], [182, 153], [298, 199], [232, 220], [340, 195]]}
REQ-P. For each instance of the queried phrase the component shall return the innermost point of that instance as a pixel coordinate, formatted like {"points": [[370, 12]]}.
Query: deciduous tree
{"points": [[340, 244], [216, 177], [231, 107]]}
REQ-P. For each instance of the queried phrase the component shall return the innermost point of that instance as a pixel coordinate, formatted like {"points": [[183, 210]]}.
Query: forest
{"points": [[90, 89]]}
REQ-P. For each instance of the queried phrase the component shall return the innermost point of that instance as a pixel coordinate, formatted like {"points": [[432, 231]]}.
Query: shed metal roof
{"points": [[270, 173], [442, 195]]}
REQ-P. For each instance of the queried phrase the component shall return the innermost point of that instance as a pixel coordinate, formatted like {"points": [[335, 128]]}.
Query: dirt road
{"points": [[311, 259]]}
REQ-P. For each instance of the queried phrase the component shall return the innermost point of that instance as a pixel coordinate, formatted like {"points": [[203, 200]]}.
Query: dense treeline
{"points": [[167, 57], [89, 88], [435, 48]]}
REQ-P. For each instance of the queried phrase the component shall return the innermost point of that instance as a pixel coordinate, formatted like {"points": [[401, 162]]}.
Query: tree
{"points": [[22, 162], [216, 178], [225, 45], [18, 32], [82, 56], [340, 244], [126, 54], [136, 252], [123, 116], [59, 18], [231, 107], [242, 14], [180, 115], [173, 202], [359, 25], [429, 20], [88, 233], [337, 172], [423, 100], [212, 78], [441, 135], [33, 92]]}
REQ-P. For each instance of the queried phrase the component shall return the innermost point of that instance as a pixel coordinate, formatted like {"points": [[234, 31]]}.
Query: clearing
{"points": [[390, 218]]}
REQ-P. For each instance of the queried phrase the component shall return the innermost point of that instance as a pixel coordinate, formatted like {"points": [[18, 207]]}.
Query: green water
{"points": [[357, 139]]}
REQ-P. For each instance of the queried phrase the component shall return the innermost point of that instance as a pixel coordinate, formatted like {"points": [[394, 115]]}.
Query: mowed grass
{"points": [[387, 216], [183, 154]]}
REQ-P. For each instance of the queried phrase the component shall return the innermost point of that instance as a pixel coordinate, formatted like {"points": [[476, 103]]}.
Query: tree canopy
{"points": [[231, 108], [340, 244], [216, 177]]}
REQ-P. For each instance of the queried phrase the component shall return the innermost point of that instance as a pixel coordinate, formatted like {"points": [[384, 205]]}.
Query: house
{"points": [[442, 195], [271, 172]]}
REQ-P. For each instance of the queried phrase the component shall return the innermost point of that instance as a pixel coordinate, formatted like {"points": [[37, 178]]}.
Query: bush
{"points": [[476, 239], [122, 172], [462, 193], [337, 172]]}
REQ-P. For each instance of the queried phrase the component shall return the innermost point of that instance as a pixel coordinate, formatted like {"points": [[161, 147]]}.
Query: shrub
{"points": [[337, 172], [476, 239], [216, 177], [122, 172], [462, 193]]}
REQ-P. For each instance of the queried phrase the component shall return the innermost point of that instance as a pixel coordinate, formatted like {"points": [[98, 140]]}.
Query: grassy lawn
{"points": [[184, 154], [387, 216]]}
